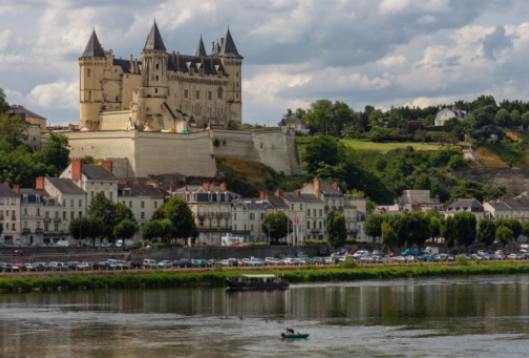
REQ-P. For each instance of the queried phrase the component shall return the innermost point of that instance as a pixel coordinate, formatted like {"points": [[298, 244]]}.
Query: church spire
{"points": [[228, 46], [201, 50], [93, 47], [154, 39]]}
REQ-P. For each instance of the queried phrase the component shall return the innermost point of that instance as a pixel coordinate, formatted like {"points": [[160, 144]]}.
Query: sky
{"points": [[378, 52]]}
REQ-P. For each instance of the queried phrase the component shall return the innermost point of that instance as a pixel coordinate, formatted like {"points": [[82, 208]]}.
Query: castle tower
{"points": [[92, 64], [201, 49], [232, 63], [154, 88]]}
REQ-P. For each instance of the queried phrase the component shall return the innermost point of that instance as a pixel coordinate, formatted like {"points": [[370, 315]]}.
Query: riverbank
{"points": [[217, 277]]}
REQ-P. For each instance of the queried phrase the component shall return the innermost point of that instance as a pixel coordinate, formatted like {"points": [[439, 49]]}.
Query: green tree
{"points": [[460, 229], [277, 226], [102, 209], [504, 234], [12, 129], [181, 218], [4, 106], [486, 232], [525, 119], [503, 118], [122, 212], [373, 225], [125, 229], [513, 224], [335, 229], [152, 229], [55, 153], [319, 117], [389, 234], [320, 150], [516, 117], [86, 228]]}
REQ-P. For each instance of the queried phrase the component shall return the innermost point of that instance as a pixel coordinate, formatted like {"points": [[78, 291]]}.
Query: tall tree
{"points": [[335, 229], [277, 226], [55, 153], [486, 232], [181, 218], [125, 229], [460, 229], [320, 150], [102, 209]]}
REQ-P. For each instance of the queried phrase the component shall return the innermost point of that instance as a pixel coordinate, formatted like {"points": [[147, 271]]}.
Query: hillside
{"points": [[248, 178]]}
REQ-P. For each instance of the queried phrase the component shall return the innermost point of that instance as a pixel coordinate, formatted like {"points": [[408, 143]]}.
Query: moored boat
{"points": [[294, 336], [257, 283]]}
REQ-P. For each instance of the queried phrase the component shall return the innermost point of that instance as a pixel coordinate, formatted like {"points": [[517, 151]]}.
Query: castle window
{"points": [[156, 90], [237, 74], [88, 72], [157, 66], [219, 93], [157, 78], [198, 94], [186, 93], [210, 95]]}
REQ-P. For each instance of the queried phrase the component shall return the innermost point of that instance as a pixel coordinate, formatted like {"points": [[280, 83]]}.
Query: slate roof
{"points": [[124, 64], [228, 46], [65, 186], [301, 198], [21, 110], [7, 192], [97, 172], [511, 204], [154, 39], [140, 189], [201, 50], [276, 202], [465, 204], [210, 65], [93, 47]]}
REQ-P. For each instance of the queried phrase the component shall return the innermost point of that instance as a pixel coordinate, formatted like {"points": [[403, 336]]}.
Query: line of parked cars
{"points": [[359, 256]]}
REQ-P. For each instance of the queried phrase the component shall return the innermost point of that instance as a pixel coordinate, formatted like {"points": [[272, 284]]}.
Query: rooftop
{"points": [[97, 172], [65, 186], [7, 192]]}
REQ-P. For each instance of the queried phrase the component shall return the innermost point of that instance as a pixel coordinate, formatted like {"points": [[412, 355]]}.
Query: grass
{"points": [[361, 145], [217, 277]]}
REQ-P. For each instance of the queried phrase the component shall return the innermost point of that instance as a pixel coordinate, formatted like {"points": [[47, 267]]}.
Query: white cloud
{"points": [[60, 94]]}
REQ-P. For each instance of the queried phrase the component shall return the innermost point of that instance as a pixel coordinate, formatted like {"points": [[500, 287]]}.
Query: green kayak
{"points": [[294, 336]]}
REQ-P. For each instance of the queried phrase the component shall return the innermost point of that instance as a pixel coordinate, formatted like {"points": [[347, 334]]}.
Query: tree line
{"points": [[460, 230]]}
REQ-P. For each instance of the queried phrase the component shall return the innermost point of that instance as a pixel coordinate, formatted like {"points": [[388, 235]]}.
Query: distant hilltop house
{"points": [[448, 113], [36, 125], [410, 201], [293, 122]]}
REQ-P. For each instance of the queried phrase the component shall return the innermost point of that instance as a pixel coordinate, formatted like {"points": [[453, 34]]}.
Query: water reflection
{"points": [[206, 322]]}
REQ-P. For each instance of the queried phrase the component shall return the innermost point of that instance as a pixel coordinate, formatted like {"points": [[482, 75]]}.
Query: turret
{"points": [[201, 49], [154, 89], [92, 64], [232, 63]]}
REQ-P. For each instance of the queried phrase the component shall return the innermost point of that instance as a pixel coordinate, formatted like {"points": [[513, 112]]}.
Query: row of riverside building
{"points": [[421, 200], [42, 216]]}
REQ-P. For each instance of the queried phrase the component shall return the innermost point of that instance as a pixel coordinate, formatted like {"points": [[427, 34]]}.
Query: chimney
{"points": [[205, 186], [39, 183], [262, 195], [278, 193], [297, 193], [172, 187], [77, 169], [16, 188], [107, 164], [223, 186], [317, 187]]}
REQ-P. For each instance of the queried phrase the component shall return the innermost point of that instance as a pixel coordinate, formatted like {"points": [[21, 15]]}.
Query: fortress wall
{"points": [[269, 146], [238, 144], [147, 153], [277, 150], [163, 153], [104, 145]]}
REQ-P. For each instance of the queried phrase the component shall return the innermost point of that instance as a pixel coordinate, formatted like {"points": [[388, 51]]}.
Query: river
{"points": [[474, 317]]}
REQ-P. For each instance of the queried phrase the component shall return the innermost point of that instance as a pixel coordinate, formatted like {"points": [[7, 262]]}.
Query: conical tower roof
{"points": [[201, 50], [93, 47], [228, 46], [154, 40]]}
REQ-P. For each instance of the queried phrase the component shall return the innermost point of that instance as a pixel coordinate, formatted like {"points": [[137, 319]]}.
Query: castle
{"points": [[168, 113], [160, 91]]}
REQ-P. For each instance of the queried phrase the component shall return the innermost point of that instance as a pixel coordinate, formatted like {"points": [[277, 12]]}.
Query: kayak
{"points": [[295, 336]]}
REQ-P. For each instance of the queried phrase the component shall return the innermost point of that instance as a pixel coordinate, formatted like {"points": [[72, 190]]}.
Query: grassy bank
{"points": [[217, 278]]}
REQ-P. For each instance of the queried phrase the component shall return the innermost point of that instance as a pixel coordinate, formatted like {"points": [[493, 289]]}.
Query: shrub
{"points": [[462, 260]]}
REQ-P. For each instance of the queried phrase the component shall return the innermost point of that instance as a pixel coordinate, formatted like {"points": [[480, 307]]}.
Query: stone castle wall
{"points": [[140, 154], [269, 146]]}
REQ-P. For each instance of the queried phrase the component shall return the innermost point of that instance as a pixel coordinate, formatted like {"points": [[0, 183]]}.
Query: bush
{"points": [[349, 263], [462, 260]]}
